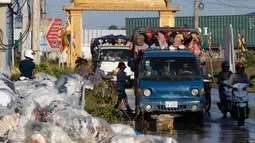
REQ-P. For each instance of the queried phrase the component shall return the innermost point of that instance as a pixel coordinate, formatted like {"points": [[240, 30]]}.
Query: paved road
{"points": [[215, 130]]}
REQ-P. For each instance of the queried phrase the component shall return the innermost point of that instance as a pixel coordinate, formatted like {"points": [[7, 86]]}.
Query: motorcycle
{"points": [[240, 103], [225, 106], [207, 88]]}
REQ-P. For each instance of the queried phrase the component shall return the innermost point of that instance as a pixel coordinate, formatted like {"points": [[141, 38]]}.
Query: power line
{"points": [[24, 35]]}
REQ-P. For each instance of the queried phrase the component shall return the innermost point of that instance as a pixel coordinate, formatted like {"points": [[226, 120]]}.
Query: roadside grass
{"points": [[102, 107]]}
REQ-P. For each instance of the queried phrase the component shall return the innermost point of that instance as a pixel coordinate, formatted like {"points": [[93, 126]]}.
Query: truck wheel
{"points": [[199, 118], [141, 124]]}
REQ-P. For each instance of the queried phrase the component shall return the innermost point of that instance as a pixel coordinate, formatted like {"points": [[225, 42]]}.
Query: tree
{"points": [[113, 27]]}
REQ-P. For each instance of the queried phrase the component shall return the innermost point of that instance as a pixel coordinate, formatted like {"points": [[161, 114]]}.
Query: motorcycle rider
{"points": [[223, 75], [97, 77], [27, 66], [120, 86], [240, 76]]}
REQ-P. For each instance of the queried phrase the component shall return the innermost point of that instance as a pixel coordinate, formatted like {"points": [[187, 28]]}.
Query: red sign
{"points": [[52, 35], [49, 28]]}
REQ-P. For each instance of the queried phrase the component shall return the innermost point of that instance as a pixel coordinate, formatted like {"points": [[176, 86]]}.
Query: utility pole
{"points": [[24, 28], [36, 31], [196, 20], [10, 34], [3, 37], [43, 8]]}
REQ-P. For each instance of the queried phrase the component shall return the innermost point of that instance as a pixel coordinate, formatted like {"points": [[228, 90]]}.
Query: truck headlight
{"points": [[147, 92], [195, 92]]}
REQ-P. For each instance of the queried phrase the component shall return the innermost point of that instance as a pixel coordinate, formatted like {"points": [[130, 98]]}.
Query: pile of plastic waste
{"points": [[47, 110]]}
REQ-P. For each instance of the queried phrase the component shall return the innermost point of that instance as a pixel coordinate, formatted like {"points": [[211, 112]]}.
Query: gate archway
{"points": [[74, 13]]}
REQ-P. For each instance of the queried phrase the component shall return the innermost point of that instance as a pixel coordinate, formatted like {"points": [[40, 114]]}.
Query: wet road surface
{"points": [[215, 129]]}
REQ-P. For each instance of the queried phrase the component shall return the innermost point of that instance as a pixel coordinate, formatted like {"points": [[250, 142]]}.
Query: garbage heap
{"points": [[47, 110]]}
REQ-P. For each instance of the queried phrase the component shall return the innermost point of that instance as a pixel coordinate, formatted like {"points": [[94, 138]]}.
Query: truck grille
{"points": [[163, 108]]}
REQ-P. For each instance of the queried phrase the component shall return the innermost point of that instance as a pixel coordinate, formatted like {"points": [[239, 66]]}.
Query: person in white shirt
{"points": [[178, 43]]}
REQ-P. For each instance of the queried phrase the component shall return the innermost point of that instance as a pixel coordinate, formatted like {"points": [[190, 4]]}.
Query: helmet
{"points": [[240, 66], [225, 64], [122, 65], [29, 54]]}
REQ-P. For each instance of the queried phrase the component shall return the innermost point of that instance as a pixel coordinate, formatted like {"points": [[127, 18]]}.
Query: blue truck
{"points": [[167, 83]]}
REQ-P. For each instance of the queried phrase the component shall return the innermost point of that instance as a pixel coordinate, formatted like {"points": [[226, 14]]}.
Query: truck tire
{"points": [[199, 118]]}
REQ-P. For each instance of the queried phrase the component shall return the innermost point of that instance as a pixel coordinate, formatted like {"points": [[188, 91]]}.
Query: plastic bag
{"points": [[88, 85], [122, 139], [44, 76], [6, 97], [129, 139], [8, 121], [24, 88], [103, 131], [157, 139], [64, 110], [85, 129], [44, 96], [6, 72], [76, 77], [68, 85], [59, 136], [122, 129], [24, 107], [45, 133], [8, 83], [18, 135]]}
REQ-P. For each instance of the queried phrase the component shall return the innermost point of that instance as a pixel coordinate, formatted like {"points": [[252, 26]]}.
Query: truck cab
{"points": [[111, 54], [168, 83]]}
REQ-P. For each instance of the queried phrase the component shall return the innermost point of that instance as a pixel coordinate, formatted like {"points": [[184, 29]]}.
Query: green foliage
{"points": [[52, 69], [249, 59], [113, 27]]}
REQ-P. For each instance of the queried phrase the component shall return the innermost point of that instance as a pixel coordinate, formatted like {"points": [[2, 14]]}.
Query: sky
{"points": [[103, 19]]}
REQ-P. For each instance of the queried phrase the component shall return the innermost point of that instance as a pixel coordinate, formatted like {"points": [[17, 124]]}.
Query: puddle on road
{"points": [[219, 131]]}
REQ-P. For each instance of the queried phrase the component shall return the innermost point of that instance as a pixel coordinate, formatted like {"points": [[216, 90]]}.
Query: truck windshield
{"points": [[114, 54], [170, 69]]}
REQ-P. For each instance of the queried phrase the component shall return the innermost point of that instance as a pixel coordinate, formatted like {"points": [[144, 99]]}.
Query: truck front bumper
{"points": [[159, 107]]}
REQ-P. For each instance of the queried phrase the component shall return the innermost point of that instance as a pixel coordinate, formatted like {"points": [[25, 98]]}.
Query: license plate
{"points": [[171, 104]]}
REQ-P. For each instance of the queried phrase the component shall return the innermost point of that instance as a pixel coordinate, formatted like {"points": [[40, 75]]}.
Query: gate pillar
{"points": [[166, 18]]}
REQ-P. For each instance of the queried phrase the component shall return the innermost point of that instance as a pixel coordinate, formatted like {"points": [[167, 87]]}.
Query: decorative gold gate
{"points": [[74, 13]]}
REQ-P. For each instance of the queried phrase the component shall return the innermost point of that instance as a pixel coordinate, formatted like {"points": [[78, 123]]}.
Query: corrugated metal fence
{"points": [[87, 35]]}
